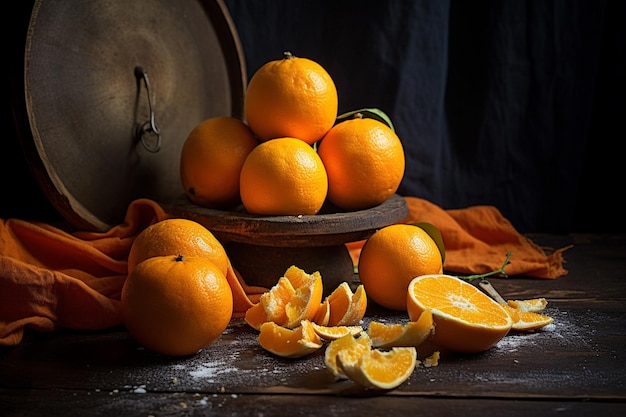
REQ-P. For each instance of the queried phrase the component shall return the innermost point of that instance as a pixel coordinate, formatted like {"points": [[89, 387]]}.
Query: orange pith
{"points": [[293, 97], [466, 320], [283, 176], [275, 300], [211, 160], [365, 163], [305, 302], [391, 258], [289, 343], [378, 369], [534, 305], [176, 305]]}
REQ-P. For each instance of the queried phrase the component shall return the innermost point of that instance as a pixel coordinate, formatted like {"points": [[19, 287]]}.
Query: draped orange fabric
{"points": [[477, 239], [52, 279]]}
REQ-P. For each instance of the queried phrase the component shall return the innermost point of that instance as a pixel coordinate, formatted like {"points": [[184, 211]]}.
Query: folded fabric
{"points": [[50, 278], [477, 239]]}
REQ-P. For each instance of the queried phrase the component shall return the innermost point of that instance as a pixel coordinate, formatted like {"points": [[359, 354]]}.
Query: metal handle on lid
{"points": [[150, 127]]}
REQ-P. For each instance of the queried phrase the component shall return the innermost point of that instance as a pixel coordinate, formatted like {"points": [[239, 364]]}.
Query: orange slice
{"points": [[379, 369], [355, 345], [298, 277], [528, 320], [535, 305], [335, 332], [413, 333], [346, 308], [466, 319], [289, 343]]}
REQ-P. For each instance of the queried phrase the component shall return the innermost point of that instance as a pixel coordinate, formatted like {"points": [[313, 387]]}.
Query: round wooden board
{"points": [[84, 101]]}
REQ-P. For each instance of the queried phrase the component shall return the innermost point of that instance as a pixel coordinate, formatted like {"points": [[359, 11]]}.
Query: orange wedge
{"points": [[378, 369], [305, 302], [298, 277], [335, 332], [355, 345], [413, 333], [535, 305], [346, 308], [466, 319], [323, 314], [289, 343], [255, 316], [528, 320], [275, 300]]}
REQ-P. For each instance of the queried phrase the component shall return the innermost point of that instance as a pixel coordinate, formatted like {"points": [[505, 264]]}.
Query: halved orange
{"points": [[466, 319], [289, 343], [379, 369], [335, 332], [355, 345], [413, 333], [346, 308]]}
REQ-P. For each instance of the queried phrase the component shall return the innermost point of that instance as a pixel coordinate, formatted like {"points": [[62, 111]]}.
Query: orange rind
{"points": [[353, 345], [335, 332]]}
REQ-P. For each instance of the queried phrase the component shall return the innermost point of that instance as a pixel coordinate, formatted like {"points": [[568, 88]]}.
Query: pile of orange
{"points": [[292, 152]]}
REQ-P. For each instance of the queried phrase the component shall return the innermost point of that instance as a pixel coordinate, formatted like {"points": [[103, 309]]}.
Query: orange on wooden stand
{"points": [[294, 97]]}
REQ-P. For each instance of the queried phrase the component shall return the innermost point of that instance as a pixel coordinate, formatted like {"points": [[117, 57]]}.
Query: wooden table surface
{"points": [[575, 366]]}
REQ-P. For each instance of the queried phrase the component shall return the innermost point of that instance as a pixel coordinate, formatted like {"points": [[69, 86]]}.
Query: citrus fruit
{"points": [[364, 160], [346, 307], [356, 345], [283, 176], [289, 343], [211, 160], [528, 320], [413, 333], [323, 314], [176, 305], [305, 302], [335, 332], [378, 369], [293, 97], [534, 305], [274, 301], [391, 258], [466, 319], [177, 237]]}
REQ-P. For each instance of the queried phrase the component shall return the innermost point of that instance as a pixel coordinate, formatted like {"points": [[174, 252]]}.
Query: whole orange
{"points": [[176, 305], [293, 97], [177, 236], [364, 159], [211, 159], [391, 258], [283, 176]]}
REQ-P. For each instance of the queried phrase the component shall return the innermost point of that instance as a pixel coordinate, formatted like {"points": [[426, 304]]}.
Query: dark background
{"points": [[516, 104]]}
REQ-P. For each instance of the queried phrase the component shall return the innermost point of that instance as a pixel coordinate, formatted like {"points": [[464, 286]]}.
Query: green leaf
{"points": [[367, 113], [435, 234]]}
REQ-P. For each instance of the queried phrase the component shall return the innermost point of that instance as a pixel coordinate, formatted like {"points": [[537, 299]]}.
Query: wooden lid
{"points": [[101, 78]]}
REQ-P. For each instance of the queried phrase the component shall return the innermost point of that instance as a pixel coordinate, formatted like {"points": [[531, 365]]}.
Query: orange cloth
{"points": [[477, 239], [50, 278]]}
